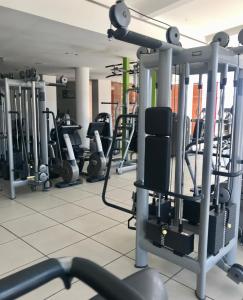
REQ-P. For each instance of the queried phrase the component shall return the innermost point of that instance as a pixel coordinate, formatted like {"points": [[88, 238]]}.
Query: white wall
{"points": [[104, 92], [51, 96]]}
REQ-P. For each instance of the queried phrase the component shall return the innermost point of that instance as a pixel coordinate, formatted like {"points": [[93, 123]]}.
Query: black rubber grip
{"points": [[22, 282], [106, 284]]}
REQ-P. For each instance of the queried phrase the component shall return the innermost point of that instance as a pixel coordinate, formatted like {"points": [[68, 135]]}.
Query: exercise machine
{"points": [[65, 150], [97, 161], [163, 231], [23, 138]]}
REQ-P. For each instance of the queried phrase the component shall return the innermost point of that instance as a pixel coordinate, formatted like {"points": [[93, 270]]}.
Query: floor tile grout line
{"points": [[20, 238], [80, 240], [109, 246], [61, 223], [26, 235], [20, 267], [18, 217], [57, 223], [4, 243], [188, 287], [60, 198]]}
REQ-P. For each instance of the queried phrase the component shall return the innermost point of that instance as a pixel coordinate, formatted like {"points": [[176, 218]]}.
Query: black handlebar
{"points": [[107, 175], [103, 282]]}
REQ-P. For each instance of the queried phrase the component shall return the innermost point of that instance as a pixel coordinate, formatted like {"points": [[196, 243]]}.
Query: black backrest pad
{"points": [[157, 163], [158, 121], [158, 124]]}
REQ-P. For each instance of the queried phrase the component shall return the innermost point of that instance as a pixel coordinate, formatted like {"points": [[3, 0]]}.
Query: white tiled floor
{"points": [[75, 222]]}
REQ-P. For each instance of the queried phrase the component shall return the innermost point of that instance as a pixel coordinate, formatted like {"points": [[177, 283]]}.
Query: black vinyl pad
{"points": [[158, 121], [157, 163]]}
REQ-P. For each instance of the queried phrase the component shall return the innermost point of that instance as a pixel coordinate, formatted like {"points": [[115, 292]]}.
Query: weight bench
{"points": [[143, 285]]}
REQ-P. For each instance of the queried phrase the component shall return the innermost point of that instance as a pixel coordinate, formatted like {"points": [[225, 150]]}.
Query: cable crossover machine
{"points": [[163, 226]]}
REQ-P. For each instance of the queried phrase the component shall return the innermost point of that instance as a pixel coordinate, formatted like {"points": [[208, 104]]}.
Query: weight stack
{"points": [[216, 231]]}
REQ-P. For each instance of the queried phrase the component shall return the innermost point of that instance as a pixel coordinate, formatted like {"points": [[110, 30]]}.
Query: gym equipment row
{"points": [[24, 133], [160, 206], [23, 142]]}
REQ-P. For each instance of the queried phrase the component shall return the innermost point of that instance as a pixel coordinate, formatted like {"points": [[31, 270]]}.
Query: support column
{"points": [[164, 78], [236, 158], [207, 171], [125, 103], [82, 102], [142, 195], [154, 88]]}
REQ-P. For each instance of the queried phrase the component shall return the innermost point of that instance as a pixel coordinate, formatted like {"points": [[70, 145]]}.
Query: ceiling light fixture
{"points": [[71, 53]]}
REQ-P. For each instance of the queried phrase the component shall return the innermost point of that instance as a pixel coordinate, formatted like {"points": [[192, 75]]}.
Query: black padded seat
{"points": [[148, 283]]}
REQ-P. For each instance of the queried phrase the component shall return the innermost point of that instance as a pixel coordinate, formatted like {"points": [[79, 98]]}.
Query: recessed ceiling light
{"points": [[71, 53]]}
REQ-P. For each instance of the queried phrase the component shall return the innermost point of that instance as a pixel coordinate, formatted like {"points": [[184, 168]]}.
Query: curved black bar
{"points": [[180, 196], [104, 283], [228, 174], [106, 102], [107, 175], [22, 282]]}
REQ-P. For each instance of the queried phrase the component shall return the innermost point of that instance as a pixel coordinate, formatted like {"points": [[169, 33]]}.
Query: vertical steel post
{"points": [[142, 195], [179, 143], [27, 121], [10, 139], [164, 78], [207, 170], [34, 129], [125, 96], [154, 88], [43, 125], [237, 156]]}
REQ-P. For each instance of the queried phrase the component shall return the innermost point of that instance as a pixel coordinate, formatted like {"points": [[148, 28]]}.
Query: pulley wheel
{"points": [[63, 80], [240, 37], [221, 37], [142, 50], [173, 35], [120, 16], [224, 194]]}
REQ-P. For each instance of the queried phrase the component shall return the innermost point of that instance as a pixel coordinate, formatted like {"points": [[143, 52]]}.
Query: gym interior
{"points": [[121, 153]]}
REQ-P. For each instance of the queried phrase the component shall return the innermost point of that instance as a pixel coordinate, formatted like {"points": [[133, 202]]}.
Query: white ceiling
{"points": [[56, 48], [196, 18], [52, 47]]}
